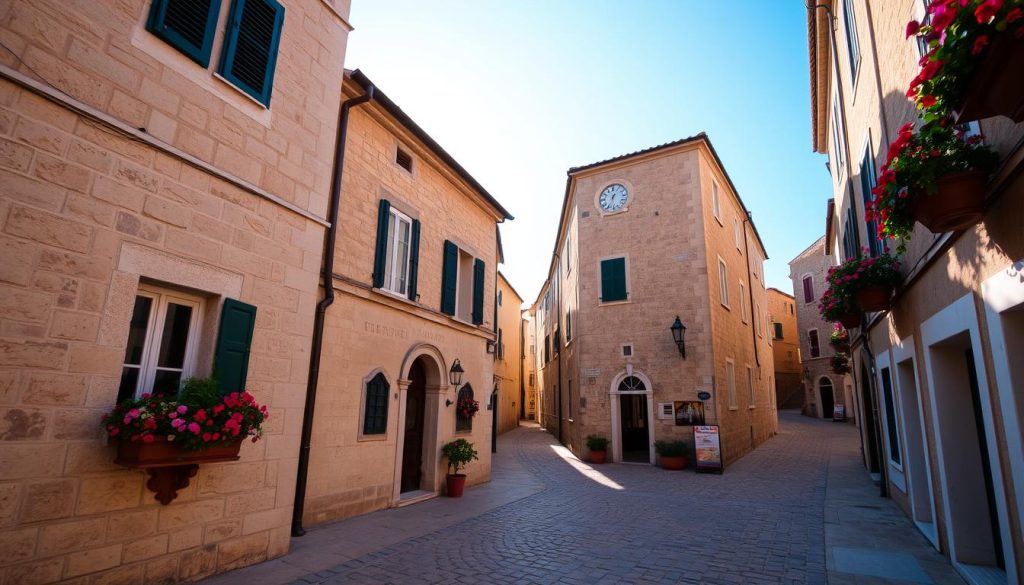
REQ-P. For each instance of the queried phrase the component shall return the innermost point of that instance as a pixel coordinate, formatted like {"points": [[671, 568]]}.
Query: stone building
{"points": [[789, 388], [532, 400], [644, 238], [414, 278], [822, 388], [156, 169], [509, 365], [941, 367]]}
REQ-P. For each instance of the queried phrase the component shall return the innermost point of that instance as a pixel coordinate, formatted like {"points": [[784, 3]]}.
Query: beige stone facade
{"points": [[126, 167], [611, 367], [785, 349], [822, 388], [508, 358], [935, 376], [411, 343]]}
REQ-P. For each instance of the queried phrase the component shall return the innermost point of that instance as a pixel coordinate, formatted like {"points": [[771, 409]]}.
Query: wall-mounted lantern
{"points": [[679, 336], [455, 378]]}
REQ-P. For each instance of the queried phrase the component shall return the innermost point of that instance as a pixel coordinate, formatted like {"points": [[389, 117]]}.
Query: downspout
{"points": [[522, 359], [750, 290], [327, 274], [558, 339]]}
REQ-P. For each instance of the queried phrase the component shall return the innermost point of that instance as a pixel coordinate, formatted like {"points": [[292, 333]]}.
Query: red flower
{"points": [[1014, 15], [912, 27], [987, 10], [148, 438], [928, 101], [979, 44], [943, 16]]}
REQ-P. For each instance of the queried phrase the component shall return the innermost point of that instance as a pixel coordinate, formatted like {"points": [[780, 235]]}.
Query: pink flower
{"points": [[182, 408], [193, 428], [172, 415], [134, 413]]}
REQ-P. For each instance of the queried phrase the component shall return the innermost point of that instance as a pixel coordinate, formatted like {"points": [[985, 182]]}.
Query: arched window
{"points": [[465, 408], [632, 384], [375, 412]]}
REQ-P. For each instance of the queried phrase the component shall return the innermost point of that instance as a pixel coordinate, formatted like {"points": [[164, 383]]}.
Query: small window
{"points": [[249, 57], [808, 281], [757, 320], [666, 411], [547, 348], [533, 379], [778, 330], [404, 159], [627, 350], [838, 136], [723, 283], [397, 262], [812, 338], [568, 326], [891, 426], [852, 44], [716, 203], [867, 182], [162, 339], [187, 25], [730, 382], [750, 387], [375, 410], [499, 298], [632, 384], [567, 252], [613, 280], [463, 418], [501, 345], [743, 304], [737, 232]]}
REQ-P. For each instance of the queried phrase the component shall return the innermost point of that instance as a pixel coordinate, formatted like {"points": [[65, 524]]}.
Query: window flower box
{"points": [[170, 467], [997, 86]]}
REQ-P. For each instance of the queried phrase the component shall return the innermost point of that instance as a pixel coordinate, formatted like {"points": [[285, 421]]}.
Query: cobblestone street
{"points": [[548, 518]]}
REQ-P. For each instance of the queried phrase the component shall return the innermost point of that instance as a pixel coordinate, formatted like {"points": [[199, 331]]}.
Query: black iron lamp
{"points": [[455, 378], [679, 336]]}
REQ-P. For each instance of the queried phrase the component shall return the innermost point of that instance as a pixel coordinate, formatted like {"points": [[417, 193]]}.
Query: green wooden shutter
{"points": [[380, 257], [414, 259], [249, 57], [231, 356], [478, 291], [449, 278], [613, 280], [187, 25]]}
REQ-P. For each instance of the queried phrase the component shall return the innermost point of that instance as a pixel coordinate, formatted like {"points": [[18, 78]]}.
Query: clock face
{"points": [[613, 197]]}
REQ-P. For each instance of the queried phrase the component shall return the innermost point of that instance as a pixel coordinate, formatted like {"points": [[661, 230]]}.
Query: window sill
{"points": [[601, 303], [734, 408], [241, 91], [372, 438], [752, 407], [719, 220], [725, 306]]}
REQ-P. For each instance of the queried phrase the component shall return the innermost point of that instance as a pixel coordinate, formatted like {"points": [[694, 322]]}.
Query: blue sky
{"points": [[518, 92]]}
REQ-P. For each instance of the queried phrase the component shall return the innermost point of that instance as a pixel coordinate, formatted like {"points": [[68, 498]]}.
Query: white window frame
{"points": [[757, 320], [730, 382], [716, 202], [632, 350], [750, 387], [391, 271], [736, 229], [723, 283], [852, 41], [160, 298], [743, 306], [838, 138]]}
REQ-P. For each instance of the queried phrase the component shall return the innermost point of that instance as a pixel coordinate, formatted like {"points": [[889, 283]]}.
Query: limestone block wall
{"points": [[785, 350], [509, 366], [129, 164]]}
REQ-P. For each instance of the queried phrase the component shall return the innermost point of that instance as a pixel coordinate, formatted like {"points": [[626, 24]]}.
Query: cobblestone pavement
{"points": [[548, 518]]}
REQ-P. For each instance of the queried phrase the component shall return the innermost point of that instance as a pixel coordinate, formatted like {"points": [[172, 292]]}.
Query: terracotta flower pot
{"points": [[873, 298], [456, 484], [997, 87], [169, 466], [673, 462], [850, 320], [598, 456], [958, 203]]}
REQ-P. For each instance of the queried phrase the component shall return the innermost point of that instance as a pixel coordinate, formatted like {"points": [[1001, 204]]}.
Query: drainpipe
{"points": [[558, 328], [750, 290], [327, 274], [522, 358]]}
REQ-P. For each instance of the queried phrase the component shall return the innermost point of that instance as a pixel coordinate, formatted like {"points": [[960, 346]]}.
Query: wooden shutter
{"points": [[250, 46], [613, 280], [808, 289], [449, 276], [375, 411], [478, 291], [414, 258], [231, 356], [380, 257], [187, 25]]}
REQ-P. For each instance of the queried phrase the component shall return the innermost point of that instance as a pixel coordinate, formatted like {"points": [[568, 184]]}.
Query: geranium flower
{"points": [[987, 10], [912, 27], [979, 44]]}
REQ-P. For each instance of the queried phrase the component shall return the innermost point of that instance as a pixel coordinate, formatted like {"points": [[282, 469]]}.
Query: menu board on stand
{"points": [[708, 447]]}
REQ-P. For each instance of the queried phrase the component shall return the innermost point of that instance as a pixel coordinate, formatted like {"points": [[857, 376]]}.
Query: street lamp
{"points": [[679, 336], [455, 377]]}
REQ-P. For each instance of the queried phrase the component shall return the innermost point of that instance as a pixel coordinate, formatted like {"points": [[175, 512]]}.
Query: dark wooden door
{"points": [[636, 444], [412, 446], [828, 403]]}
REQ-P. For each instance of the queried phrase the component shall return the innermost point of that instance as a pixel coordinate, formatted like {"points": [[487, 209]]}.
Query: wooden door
{"points": [[412, 446]]}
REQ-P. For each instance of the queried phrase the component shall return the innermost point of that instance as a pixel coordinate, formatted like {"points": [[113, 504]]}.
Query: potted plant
{"points": [[467, 407], [840, 339], [170, 436], [869, 281], [672, 454], [841, 364], [836, 305], [935, 176], [598, 447], [974, 59], [459, 453]]}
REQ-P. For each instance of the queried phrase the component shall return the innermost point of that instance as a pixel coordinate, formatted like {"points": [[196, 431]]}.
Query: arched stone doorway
{"points": [[422, 386], [632, 415]]}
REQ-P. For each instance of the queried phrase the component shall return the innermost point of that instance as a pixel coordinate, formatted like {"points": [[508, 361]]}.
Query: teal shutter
{"points": [[449, 276], [249, 56], [414, 259], [231, 356], [380, 257], [478, 291], [613, 280], [187, 25]]}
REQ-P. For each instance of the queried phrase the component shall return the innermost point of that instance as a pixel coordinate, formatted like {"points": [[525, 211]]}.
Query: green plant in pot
{"points": [[672, 454], [598, 447], [839, 339], [459, 453], [841, 364]]}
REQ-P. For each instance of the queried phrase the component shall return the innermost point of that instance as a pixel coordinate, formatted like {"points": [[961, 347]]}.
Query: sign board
{"points": [[689, 413], [704, 395], [591, 372], [708, 446], [839, 412]]}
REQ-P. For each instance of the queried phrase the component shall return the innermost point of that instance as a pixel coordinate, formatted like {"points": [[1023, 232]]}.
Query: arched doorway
{"points": [[415, 415], [632, 418], [826, 397]]}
